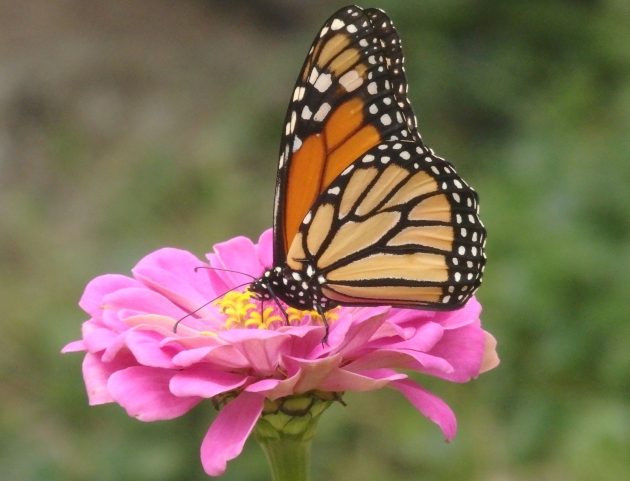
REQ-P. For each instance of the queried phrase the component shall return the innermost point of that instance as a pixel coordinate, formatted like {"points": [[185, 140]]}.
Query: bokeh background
{"points": [[128, 126]]}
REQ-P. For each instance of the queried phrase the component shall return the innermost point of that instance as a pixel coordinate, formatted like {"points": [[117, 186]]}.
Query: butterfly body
{"points": [[365, 213], [299, 289]]}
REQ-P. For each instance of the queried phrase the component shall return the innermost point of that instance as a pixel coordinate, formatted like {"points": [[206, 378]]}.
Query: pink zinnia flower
{"points": [[240, 354]]}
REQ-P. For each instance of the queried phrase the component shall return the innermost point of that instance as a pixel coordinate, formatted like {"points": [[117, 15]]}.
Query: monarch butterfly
{"points": [[365, 213]]}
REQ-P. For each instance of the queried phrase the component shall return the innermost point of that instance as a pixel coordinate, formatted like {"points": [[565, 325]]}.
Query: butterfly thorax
{"points": [[299, 289]]}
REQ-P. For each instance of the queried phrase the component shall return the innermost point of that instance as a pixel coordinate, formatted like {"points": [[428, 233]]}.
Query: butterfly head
{"points": [[301, 290]]}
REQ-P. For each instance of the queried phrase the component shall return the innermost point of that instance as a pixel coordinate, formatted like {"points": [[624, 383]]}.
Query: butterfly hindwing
{"points": [[350, 96], [398, 226]]}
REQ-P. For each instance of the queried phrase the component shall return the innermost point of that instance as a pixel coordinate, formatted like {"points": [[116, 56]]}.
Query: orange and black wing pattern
{"points": [[349, 97], [397, 227], [363, 207]]}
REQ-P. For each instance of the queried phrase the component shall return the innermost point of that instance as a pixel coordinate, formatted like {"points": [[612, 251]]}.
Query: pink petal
{"points": [[401, 316], [92, 299], [204, 381], [490, 357], [265, 248], [96, 373], [95, 376], [144, 393], [264, 386], [460, 317], [96, 337], [226, 356], [343, 380], [306, 340], [421, 338], [429, 405], [74, 346], [141, 300], [403, 358], [463, 348], [261, 348], [379, 359], [240, 255], [145, 346], [356, 337], [229, 431], [303, 375], [172, 273]]}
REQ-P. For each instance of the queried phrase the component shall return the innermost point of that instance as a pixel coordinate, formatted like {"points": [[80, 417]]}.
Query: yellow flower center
{"points": [[241, 310]]}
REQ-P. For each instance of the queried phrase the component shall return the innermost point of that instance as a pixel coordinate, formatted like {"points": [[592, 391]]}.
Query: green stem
{"points": [[285, 431], [288, 458]]}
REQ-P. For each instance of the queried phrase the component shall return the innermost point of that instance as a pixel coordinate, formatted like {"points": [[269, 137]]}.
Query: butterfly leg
{"points": [[273, 296], [322, 314]]}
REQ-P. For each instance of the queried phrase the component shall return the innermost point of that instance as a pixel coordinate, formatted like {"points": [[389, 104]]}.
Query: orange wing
{"points": [[349, 97]]}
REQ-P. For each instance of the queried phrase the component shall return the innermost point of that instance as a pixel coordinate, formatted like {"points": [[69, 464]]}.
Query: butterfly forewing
{"points": [[349, 97]]}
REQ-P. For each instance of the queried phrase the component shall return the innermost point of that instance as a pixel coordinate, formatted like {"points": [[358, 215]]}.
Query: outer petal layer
{"points": [[144, 393], [229, 431], [429, 405]]}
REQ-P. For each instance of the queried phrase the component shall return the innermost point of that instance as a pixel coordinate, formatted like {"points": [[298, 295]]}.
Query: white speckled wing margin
{"points": [[398, 226]]}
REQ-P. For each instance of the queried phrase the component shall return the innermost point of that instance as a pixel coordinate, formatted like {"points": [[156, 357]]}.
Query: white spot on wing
{"points": [[337, 24], [306, 113], [293, 120], [313, 77], [297, 143], [323, 82], [298, 93], [322, 112], [350, 80]]}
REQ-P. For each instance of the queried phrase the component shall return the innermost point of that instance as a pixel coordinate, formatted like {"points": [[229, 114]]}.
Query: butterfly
{"points": [[365, 214]]}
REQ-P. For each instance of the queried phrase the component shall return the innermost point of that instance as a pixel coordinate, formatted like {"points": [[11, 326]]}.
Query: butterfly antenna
{"points": [[204, 305], [225, 270]]}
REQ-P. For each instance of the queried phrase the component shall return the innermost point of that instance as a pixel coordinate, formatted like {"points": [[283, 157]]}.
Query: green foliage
{"points": [[130, 128]]}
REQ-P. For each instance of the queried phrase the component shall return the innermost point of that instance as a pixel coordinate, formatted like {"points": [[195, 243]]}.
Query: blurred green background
{"points": [[127, 126]]}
